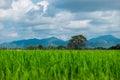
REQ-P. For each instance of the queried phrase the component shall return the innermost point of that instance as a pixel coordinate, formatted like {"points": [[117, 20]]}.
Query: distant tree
{"points": [[76, 42], [3, 48], [17, 48], [61, 47], [100, 48], [40, 47], [115, 47], [31, 47], [52, 47]]}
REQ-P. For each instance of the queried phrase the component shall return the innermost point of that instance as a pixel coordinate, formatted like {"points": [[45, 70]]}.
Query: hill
{"points": [[105, 41]]}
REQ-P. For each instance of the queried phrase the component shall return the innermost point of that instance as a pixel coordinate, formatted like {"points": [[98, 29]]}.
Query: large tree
{"points": [[76, 42]]}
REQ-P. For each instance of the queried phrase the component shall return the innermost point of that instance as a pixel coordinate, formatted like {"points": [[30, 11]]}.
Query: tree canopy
{"points": [[76, 42]]}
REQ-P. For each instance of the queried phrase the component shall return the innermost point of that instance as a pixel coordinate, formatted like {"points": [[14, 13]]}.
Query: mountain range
{"points": [[104, 41], [101, 41]]}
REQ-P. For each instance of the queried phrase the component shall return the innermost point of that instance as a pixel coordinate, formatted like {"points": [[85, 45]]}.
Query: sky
{"points": [[26, 19]]}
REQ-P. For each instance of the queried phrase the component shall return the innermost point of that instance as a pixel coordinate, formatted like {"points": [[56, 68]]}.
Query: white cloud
{"points": [[1, 26], [65, 24], [63, 37], [5, 4], [44, 4], [20, 8], [28, 21], [79, 24], [13, 34], [107, 16], [2, 3]]}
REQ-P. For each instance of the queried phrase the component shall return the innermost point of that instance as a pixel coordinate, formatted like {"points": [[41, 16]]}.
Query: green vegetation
{"points": [[76, 42], [59, 65]]}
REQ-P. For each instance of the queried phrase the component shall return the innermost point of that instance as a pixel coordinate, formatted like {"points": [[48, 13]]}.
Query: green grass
{"points": [[59, 65]]}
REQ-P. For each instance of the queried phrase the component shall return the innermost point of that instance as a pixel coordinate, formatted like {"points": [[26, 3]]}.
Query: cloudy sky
{"points": [[24, 19]]}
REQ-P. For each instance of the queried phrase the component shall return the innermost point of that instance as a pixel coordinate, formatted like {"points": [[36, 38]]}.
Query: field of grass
{"points": [[59, 65]]}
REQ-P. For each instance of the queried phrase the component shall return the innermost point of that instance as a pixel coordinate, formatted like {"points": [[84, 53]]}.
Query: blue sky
{"points": [[24, 19]]}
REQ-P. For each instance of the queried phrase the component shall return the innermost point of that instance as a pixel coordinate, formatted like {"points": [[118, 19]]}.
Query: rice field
{"points": [[59, 65]]}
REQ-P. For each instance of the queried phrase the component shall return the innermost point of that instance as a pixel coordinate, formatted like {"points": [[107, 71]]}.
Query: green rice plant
{"points": [[59, 65]]}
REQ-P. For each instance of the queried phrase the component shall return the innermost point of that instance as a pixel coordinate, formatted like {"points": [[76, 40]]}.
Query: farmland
{"points": [[59, 65]]}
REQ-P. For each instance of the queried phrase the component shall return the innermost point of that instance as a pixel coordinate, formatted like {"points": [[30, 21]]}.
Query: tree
{"points": [[52, 47], [40, 47], [61, 47], [115, 47], [31, 48], [100, 48], [76, 42], [3, 48]]}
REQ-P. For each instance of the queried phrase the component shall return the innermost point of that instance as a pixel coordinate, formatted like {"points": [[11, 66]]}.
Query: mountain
{"points": [[52, 41], [103, 41]]}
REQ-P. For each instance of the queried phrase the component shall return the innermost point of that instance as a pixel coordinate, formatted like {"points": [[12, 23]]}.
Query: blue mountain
{"points": [[103, 41], [52, 41]]}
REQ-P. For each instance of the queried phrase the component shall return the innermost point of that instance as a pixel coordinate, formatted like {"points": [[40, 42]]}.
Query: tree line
{"points": [[76, 42]]}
